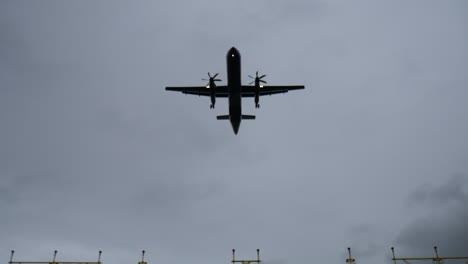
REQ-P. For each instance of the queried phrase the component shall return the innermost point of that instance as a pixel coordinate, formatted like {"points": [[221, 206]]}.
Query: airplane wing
{"points": [[249, 90], [220, 91]]}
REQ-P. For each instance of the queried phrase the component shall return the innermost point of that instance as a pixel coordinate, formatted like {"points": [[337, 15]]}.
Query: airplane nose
{"points": [[233, 52]]}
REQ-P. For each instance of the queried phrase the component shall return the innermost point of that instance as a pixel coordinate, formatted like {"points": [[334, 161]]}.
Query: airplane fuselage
{"points": [[234, 87]]}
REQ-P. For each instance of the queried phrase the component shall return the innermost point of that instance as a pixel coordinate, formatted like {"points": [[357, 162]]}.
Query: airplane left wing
{"points": [[220, 91], [250, 90]]}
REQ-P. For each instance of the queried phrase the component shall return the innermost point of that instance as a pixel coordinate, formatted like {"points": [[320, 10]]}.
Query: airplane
{"points": [[234, 90]]}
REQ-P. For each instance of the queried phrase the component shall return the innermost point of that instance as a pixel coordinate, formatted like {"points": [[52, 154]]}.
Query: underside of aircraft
{"points": [[234, 90]]}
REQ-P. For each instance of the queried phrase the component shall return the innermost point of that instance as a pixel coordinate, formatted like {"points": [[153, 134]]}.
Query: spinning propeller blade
{"points": [[211, 78], [258, 78]]}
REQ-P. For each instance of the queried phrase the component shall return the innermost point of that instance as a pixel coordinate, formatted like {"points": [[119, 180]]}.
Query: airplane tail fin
{"points": [[248, 117]]}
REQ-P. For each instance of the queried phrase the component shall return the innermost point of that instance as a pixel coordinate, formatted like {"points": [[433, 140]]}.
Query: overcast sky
{"points": [[96, 155]]}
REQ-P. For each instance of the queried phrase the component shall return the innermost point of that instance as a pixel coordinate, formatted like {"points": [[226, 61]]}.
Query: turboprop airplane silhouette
{"points": [[234, 90]]}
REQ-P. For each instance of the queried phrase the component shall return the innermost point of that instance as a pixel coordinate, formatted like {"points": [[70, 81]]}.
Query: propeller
{"points": [[257, 78], [212, 78]]}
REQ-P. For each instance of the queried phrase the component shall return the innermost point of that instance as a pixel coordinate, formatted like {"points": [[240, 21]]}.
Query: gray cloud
{"points": [[443, 225], [454, 191]]}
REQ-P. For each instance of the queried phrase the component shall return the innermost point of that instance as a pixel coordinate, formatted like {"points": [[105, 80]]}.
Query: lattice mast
{"points": [[435, 260], [54, 261], [245, 261]]}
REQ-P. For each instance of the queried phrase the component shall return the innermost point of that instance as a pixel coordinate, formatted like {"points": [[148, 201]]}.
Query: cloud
{"points": [[451, 192], [444, 226]]}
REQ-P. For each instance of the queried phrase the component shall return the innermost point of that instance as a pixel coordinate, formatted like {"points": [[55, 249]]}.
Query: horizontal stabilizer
{"points": [[223, 117], [248, 117]]}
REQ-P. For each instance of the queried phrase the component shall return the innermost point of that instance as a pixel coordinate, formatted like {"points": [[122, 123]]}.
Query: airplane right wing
{"points": [[220, 91], [250, 90]]}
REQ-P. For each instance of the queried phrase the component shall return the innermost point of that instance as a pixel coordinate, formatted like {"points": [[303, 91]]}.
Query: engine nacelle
{"points": [[213, 101], [213, 95], [257, 93], [212, 87], [257, 81]]}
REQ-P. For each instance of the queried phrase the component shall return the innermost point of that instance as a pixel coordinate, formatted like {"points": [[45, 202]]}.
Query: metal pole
{"points": [[393, 253], [437, 260], [11, 257], [437, 253]]}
